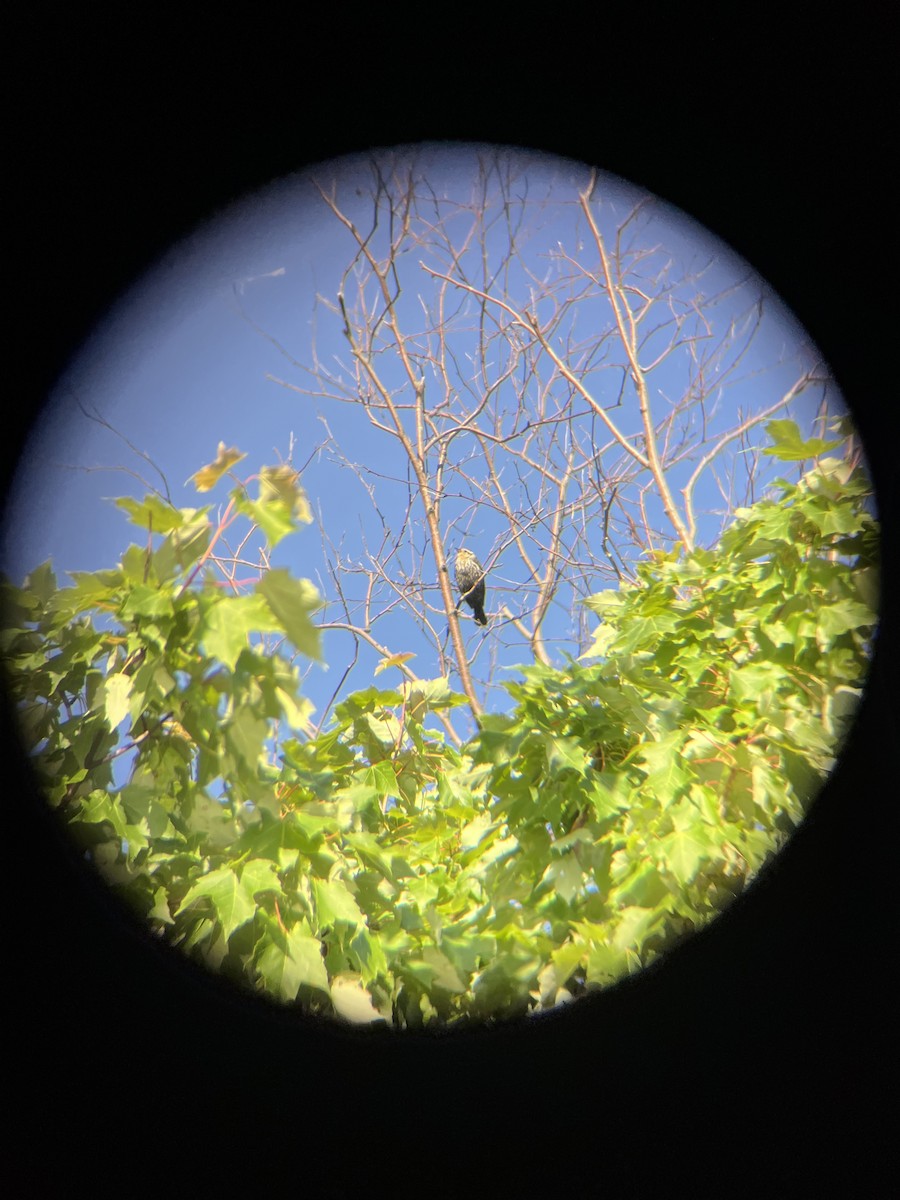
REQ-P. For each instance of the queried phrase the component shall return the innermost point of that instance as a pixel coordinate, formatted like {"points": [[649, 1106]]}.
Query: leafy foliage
{"points": [[376, 871]]}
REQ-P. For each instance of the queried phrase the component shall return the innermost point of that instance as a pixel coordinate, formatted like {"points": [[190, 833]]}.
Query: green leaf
{"points": [[565, 754], [207, 817], [683, 852], [789, 444], [840, 617], [384, 729], [382, 779], [639, 883], [369, 955], [160, 910], [281, 506], [565, 876], [41, 583], [246, 733], [292, 600], [476, 831], [370, 852], [143, 601], [291, 960], [228, 897], [334, 904], [634, 926], [259, 875], [100, 807], [445, 974], [228, 623], [604, 637], [358, 796], [566, 959], [282, 484], [208, 476], [667, 773], [468, 950], [152, 513], [610, 793], [186, 544], [754, 681], [116, 693], [297, 710]]}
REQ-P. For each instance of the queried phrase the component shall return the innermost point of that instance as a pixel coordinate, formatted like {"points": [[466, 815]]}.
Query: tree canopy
{"points": [[381, 869]]}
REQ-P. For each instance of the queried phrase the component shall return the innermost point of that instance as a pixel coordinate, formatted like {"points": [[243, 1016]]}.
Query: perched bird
{"points": [[470, 581]]}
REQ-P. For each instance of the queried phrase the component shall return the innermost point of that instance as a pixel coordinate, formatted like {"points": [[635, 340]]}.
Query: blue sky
{"points": [[185, 360]]}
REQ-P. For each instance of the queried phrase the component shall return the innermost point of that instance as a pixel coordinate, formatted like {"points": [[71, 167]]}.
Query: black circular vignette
{"points": [[749, 1062]]}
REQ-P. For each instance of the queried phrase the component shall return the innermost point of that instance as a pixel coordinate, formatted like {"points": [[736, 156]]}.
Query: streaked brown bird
{"points": [[470, 581]]}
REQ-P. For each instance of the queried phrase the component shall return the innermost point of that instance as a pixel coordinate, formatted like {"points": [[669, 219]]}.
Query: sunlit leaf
{"points": [[228, 897], [116, 695], [291, 961], [292, 601], [789, 444], [334, 904], [207, 477], [395, 660], [229, 622]]}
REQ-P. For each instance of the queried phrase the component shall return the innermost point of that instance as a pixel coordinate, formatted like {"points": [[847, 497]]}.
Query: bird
{"points": [[470, 581]]}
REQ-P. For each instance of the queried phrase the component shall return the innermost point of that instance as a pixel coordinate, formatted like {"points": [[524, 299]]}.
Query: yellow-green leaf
{"points": [[207, 477]]}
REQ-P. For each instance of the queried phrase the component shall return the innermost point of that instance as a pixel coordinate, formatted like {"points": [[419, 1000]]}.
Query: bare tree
{"points": [[556, 374]]}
